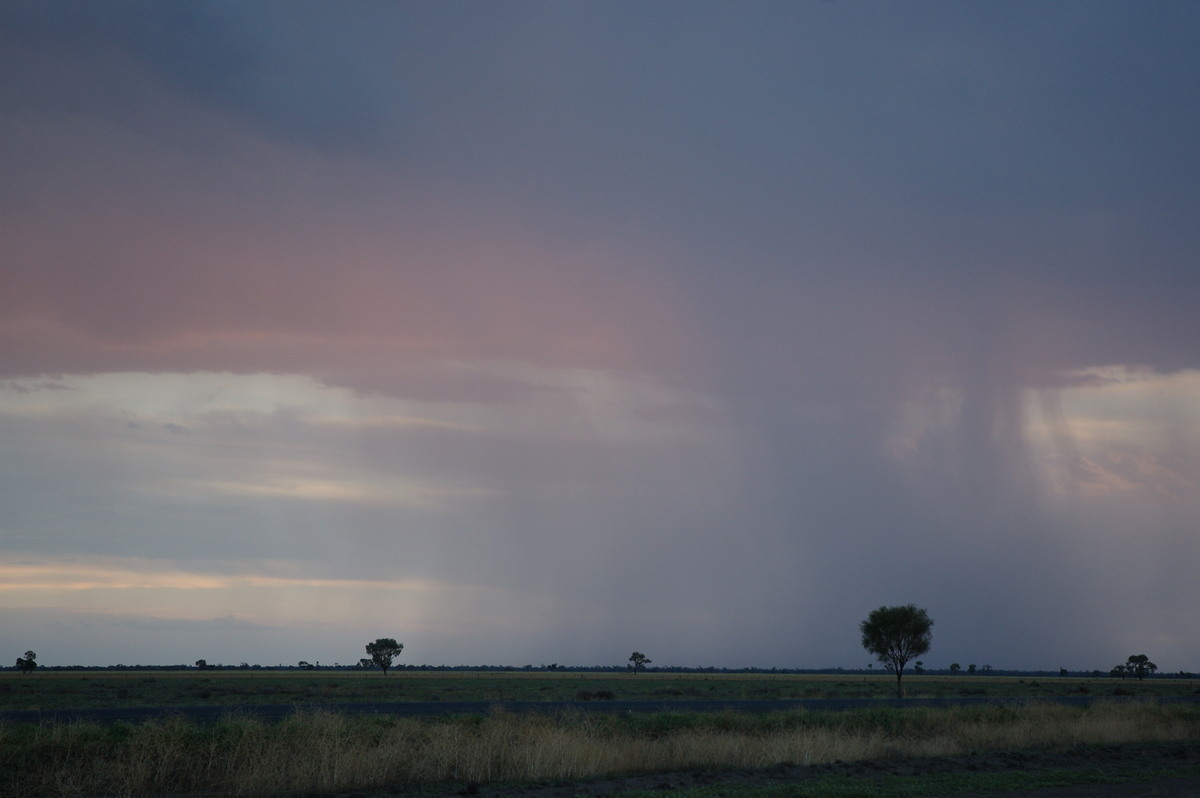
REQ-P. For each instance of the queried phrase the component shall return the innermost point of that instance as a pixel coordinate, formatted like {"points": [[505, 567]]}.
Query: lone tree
{"points": [[637, 661], [1140, 666], [895, 635], [383, 651], [27, 663]]}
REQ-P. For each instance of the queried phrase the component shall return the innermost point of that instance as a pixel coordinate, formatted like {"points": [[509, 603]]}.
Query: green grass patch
{"points": [[75, 690], [318, 752]]}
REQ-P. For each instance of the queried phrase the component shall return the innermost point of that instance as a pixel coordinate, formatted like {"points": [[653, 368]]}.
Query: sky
{"points": [[540, 332]]}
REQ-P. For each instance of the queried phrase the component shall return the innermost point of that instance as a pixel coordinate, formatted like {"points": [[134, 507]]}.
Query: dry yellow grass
{"points": [[328, 753]]}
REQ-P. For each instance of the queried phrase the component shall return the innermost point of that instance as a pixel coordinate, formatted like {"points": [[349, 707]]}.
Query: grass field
{"points": [[75, 690], [324, 753]]}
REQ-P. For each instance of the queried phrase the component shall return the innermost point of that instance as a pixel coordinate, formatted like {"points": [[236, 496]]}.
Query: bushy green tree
{"points": [[1140, 666], [896, 635], [28, 663], [384, 651]]}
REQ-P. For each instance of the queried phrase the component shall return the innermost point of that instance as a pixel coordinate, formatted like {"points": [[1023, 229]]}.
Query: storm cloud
{"points": [[535, 332]]}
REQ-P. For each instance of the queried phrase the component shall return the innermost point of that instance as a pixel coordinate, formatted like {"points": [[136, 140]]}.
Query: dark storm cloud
{"points": [[850, 258], [270, 65]]}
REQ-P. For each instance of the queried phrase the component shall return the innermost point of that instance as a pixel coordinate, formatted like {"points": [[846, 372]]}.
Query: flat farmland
{"points": [[322, 750], [52, 690]]}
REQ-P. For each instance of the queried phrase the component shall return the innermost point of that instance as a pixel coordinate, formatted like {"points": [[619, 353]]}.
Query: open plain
{"points": [[71, 689], [1131, 732]]}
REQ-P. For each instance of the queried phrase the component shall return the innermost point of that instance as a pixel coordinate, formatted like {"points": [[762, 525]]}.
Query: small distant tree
{"points": [[366, 663], [955, 668], [637, 661], [971, 669], [919, 667], [384, 651], [1139, 665], [896, 635], [201, 664], [27, 663], [1119, 671]]}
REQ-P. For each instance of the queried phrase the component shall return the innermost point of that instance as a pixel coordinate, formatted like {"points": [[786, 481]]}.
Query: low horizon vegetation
{"points": [[367, 665]]}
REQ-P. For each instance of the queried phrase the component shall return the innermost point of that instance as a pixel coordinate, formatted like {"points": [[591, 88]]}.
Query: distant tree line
{"points": [[911, 622]]}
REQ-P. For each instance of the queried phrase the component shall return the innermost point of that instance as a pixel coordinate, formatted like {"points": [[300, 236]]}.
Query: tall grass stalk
{"points": [[326, 753]]}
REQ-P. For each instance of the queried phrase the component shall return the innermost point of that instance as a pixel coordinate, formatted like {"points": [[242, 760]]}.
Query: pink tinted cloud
{"points": [[360, 302]]}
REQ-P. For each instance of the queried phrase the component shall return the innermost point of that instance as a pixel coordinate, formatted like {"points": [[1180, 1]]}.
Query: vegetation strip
{"points": [[321, 752], [52, 690]]}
